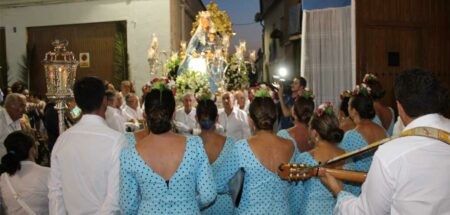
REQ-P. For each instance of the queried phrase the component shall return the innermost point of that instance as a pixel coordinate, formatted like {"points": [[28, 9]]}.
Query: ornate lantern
{"points": [[60, 71]]}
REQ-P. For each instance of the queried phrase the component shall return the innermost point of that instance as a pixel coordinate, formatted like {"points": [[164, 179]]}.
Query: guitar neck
{"points": [[346, 175]]}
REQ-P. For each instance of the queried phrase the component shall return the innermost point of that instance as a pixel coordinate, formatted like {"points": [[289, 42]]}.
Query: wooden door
{"points": [[97, 39], [388, 51]]}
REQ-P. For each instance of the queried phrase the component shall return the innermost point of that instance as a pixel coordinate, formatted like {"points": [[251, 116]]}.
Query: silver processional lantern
{"points": [[60, 71]]}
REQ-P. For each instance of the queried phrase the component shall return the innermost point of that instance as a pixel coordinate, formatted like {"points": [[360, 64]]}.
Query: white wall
{"points": [[143, 17]]}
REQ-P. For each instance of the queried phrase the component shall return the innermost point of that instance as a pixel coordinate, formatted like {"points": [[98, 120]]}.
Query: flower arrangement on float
{"points": [[192, 82], [236, 78], [172, 65]]}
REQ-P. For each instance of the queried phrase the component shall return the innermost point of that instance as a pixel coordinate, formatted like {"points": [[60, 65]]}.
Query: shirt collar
{"points": [[426, 120], [27, 162], [93, 119], [9, 121]]}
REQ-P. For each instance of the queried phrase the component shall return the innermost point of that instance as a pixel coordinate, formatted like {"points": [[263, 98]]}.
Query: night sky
{"points": [[242, 12]]}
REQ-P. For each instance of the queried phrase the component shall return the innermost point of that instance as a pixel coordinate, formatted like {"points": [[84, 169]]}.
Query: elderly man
{"points": [[241, 101], [132, 111], [113, 115], [408, 175], [15, 107], [233, 120], [185, 116]]}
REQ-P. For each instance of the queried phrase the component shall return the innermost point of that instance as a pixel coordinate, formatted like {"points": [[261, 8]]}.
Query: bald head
{"points": [[15, 105]]}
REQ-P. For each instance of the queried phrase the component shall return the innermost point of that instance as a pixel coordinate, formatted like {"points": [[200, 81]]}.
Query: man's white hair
{"points": [[12, 99]]}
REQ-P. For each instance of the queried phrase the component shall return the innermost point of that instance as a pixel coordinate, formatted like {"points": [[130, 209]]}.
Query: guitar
{"points": [[297, 172]]}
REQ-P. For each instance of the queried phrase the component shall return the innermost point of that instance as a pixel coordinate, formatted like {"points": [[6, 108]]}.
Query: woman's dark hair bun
{"points": [[18, 145], [159, 108], [335, 135], [263, 113]]}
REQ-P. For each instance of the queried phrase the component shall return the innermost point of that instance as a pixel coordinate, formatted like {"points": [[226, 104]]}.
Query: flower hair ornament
{"points": [[262, 91], [160, 84], [368, 77], [325, 108], [362, 89], [345, 94], [306, 94]]}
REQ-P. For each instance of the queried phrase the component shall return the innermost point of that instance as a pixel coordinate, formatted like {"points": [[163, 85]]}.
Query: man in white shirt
{"points": [[15, 107], [233, 120], [85, 164], [132, 111], [408, 175], [185, 116], [113, 115]]}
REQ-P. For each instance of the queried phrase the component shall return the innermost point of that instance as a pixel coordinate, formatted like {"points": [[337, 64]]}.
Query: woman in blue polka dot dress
{"points": [[217, 147], [302, 111], [325, 133], [260, 156], [164, 173], [361, 111]]}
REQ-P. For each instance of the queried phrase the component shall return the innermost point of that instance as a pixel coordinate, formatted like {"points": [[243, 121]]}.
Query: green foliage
{"points": [[236, 79], [121, 69]]}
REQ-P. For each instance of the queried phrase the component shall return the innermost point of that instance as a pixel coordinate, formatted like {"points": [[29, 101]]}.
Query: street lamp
{"points": [[60, 71]]}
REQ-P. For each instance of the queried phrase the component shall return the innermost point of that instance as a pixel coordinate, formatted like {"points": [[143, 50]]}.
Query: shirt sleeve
{"points": [[205, 181], [376, 195], [129, 188], [246, 133], [111, 203], [55, 194]]}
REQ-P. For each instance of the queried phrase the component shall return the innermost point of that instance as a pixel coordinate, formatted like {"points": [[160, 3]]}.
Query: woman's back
{"points": [[165, 177], [30, 182], [271, 150], [217, 150], [263, 191], [385, 114]]}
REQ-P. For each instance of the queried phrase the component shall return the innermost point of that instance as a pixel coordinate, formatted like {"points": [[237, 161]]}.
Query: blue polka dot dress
{"points": [[129, 136], [353, 140], [296, 190], [285, 134], [377, 121], [264, 192], [142, 191], [223, 204], [316, 198], [390, 130]]}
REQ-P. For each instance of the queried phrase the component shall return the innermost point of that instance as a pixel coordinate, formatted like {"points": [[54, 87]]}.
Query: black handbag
{"points": [[236, 185]]}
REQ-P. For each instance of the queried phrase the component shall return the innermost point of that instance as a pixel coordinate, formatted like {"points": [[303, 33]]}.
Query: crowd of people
{"points": [[123, 154]]}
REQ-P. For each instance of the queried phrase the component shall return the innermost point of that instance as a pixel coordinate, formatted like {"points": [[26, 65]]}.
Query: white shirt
{"points": [[185, 122], [408, 175], [130, 114], [235, 124], [246, 106], [114, 119], [7, 126], [30, 182], [85, 168]]}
